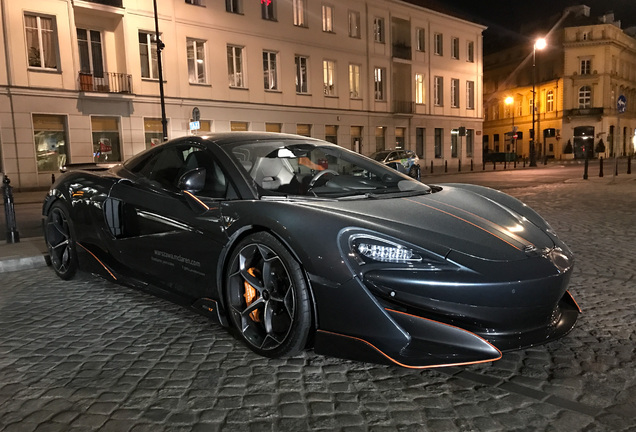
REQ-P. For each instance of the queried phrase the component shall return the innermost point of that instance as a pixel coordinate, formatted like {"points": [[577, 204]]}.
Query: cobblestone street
{"points": [[91, 355]]}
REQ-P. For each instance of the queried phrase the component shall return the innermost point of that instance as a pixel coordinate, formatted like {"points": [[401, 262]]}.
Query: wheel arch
{"points": [[224, 261]]}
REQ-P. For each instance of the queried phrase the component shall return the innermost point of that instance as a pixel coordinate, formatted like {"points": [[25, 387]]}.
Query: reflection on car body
{"points": [[301, 244]]}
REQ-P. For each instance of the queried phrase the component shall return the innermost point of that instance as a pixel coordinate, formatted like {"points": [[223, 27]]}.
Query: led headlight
{"points": [[560, 259], [367, 248]]}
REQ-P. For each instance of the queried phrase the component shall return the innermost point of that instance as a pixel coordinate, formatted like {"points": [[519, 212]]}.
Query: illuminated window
{"points": [[378, 29], [235, 66], [585, 97], [454, 93], [196, 61], [148, 55], [329, 77], [438, 94], [470, 94], [106, 139], [153, 132], [420, 39], [354, 81], [419, 89], [327, 18], [299, 8], [549, 101], [379, 83], [49, 136]]}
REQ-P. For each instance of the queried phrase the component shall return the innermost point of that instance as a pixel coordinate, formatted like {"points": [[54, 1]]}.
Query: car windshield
{"points": [[318, 169]]}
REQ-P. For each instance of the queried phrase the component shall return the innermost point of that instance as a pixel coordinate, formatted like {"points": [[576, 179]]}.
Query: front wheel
{"points": [[59, 235], [267, 297]]}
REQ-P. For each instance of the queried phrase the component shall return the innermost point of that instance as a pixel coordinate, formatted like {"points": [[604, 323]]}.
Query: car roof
{"points": [[225, 138]]}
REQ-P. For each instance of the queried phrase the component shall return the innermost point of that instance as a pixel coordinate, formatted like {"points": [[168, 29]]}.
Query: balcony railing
{"points": [[584, 112], [402, 51], [109, 83], [115, 3], [403, 107]]}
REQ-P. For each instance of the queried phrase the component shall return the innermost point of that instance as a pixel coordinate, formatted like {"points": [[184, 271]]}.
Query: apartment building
{"points": [[588, 63], [81, 77]]}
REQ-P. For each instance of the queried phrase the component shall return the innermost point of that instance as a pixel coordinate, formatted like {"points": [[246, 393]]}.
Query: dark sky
{"points": [[510, 14]]}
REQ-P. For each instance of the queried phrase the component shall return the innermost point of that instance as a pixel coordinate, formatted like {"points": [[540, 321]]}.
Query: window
{"points": [[327, 18], [49, 136], [354, 24], [153, 132], [549, 101], [530, 106], [470, 51], [379, 79], [270, 74], [267, 10], [89, 44], [239, 126], [400, 138], [419, 89], [195, 2], [148, 55], [454, 93], [470, 95], [301, 74], [439, 136], [106, 142], [519, 108], [420, 39], [331, 134], [470, 140], [41, 41], [329, 77], [585, 97], [356, 138], [378, 29], [455, 48], [454, 146], [380, 133], [439, 91], [439, 44], [233, 6], [354, 81], [273, 127], [586, 66], [196, 61], [303, 130], [235, 66], [300, 12]]}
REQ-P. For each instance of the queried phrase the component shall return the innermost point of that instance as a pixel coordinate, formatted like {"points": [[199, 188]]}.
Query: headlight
{"points": [[366, 248], [562, 261]]}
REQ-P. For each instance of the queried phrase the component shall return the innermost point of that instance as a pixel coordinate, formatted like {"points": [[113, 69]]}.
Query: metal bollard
{"points": [[445, 166], [600, 172], [471, 164], [585, 169], [629, 164], [459, 166], [9, 212], [431, 167]]}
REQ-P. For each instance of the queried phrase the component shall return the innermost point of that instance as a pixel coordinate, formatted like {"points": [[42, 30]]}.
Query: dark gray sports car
{"points": [[297, 243]]}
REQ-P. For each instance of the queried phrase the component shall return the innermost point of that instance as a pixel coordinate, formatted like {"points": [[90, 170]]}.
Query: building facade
{"points": [[81, 81], [587, 65]]}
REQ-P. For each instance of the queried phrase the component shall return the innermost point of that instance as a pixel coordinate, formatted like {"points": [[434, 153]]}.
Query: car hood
{"points": [[451, 219]]}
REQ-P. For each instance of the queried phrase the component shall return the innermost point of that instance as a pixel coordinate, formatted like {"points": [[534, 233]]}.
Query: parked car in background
{"points": [[404, 161]]}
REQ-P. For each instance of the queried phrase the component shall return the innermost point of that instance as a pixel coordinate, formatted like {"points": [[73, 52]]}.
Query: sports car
{"points": [[295, 243]]}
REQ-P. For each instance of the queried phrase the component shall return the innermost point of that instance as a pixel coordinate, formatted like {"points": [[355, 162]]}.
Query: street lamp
{"points": [[160, 47], [539, 44], [510, 101]]}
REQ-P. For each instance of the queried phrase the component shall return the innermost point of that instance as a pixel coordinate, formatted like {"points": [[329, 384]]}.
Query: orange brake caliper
{"points": [[250, 296]]}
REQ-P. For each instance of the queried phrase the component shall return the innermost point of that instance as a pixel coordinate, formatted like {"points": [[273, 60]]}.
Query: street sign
{"points": [[195, 125], [621, 104], [196, 115]]}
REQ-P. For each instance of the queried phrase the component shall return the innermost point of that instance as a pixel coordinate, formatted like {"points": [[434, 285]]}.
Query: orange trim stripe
{"points": [[575, 302], [409, 366], [464, 220], [99, 261], [198, 200]]}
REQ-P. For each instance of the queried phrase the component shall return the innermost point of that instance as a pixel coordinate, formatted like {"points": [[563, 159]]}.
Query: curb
{"points": [[27, 254]]}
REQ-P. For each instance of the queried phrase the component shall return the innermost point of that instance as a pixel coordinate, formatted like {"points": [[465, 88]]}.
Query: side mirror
{"points": [[193, 180]]}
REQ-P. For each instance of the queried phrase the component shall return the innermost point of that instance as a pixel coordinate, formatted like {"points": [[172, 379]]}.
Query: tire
{"points": [[267, 297], [59, 235]]}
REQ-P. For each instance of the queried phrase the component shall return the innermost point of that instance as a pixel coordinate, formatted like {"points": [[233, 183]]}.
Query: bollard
{"points": [[52, 178], [600, 172], [585, 169], [494, 165], [484, 166], [445, 166], [471, 164], [524, 162], [629, 164], [9, 212], [459, 166], [514, 162], [545, 160], [431, 167], [505, 164]]}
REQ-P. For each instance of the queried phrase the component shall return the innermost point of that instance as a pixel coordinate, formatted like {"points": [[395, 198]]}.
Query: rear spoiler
{"points": [[89, 166]]}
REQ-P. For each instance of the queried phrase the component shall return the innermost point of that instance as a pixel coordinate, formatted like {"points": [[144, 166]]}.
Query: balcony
{"points": [[402, 51], [109, 83], [114, 3], [403, 107], [584, 112]]}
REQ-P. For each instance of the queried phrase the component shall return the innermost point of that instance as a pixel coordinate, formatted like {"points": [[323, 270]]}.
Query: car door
{"points": [[169, 236]]}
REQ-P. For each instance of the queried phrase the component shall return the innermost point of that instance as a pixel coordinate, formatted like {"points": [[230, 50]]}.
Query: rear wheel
{"points": [[267, 297], [60, 241]]}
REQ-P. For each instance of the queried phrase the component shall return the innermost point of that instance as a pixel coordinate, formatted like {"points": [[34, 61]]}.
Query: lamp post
{"points": [[511, 101], [539, 44], [160, 47]]}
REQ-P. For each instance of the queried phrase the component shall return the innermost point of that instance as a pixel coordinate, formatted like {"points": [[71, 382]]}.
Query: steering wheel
{"points": [[319, 175]]}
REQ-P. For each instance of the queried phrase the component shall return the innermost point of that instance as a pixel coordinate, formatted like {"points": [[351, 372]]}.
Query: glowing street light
{"points": [[539, 44]]}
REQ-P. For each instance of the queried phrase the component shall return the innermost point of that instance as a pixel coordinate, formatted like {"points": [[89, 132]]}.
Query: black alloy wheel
{"points": [[60, 241], [267, 297]]}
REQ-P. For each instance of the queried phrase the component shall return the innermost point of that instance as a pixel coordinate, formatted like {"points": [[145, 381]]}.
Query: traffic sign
{"points": [[195, 125], [621, 104], [196, 115]]}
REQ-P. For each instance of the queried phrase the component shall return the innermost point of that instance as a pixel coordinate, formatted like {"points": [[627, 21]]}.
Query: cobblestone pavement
{"points": [[91, 355]]}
